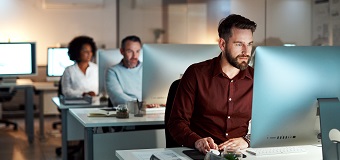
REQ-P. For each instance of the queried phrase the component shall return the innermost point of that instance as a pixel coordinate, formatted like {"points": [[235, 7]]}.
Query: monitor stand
{"points": [[9, 80], [330, 126]]}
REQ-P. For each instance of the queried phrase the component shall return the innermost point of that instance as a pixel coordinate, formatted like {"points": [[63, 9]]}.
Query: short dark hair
{"points": [[237, 21], [130, 38], [75, 46]]}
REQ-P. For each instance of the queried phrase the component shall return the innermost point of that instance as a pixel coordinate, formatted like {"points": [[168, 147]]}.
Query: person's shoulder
{"points": [[203, 64], [70, 67], [250, 71], [116, 67], [94, 65]]}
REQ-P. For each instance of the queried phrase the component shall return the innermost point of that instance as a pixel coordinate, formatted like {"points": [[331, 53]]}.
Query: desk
{"points": [[313, 153], [70, 129], [27, 85], [42, 88], [101, 146]]}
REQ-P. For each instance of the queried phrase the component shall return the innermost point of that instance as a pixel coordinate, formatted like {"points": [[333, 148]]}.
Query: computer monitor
{"points": [[105, 59], [287, 84], [164, 63], [57, 61], [18, 59]]}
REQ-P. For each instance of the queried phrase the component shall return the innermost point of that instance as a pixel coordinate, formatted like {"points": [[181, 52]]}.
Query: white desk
{"points": [[43, 88], [70, 129], [27, 85], [313, 153], [102, 146]]}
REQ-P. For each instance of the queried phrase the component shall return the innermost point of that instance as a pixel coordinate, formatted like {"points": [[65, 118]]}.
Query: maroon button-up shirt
{"points": [[209, 104]]}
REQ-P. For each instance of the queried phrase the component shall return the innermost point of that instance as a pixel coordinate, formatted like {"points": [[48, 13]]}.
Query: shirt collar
{"points": [[217, 70], [122, 63]]}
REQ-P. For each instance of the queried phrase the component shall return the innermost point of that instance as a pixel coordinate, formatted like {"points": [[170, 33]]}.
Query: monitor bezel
{"points": [[301, 75], [34, 66], [165, 63], [48, 76]]}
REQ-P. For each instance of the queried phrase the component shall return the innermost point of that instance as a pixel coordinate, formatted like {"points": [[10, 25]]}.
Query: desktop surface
{"points": [[82, 116], [313, 153], [95, 103], [18, 82], [49, 86]]}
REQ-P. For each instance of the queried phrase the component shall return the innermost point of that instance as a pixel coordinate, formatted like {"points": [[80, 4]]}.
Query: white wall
{"points": [[26, 20], [290, 21], [278, 21], [286, 21], [140, 17], [254, 10]]}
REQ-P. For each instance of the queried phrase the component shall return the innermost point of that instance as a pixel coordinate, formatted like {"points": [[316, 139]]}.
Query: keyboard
{"points": [[275, 150]]}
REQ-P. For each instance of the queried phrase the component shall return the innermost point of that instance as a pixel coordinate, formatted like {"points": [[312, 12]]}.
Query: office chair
{"points": [[6, 94], [72, 149], [55, 124], [169, 141]]}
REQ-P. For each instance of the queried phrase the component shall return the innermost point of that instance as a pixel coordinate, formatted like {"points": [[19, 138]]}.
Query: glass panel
{"points": [[176, 21]]}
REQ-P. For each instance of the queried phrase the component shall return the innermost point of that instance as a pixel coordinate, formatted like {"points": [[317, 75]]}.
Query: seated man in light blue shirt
{"points": [[124, 80]]}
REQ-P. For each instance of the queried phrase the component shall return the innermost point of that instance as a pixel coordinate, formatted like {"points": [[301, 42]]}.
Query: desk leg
{"points": [[88, 141], [29, 113], [64, 134], [41, 115]]}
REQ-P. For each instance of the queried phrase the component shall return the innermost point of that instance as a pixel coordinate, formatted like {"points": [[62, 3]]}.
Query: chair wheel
{"points": [[15, 127], [58, 151]]}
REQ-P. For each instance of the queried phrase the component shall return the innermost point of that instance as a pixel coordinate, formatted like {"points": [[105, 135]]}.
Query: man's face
{"points": [[238, 48], [131, 53]]}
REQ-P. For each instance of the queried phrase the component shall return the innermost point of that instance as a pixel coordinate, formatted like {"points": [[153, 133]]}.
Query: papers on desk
{"points": [[154, 110], [102, 113], [163, 155]]}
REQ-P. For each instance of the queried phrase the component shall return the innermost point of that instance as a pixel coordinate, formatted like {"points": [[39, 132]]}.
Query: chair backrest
{"points": [[6, 94], [109, 103], [60, 92], [170, 142]]}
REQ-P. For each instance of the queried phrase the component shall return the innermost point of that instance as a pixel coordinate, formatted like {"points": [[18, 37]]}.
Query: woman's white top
{"points": [[74, 82]]}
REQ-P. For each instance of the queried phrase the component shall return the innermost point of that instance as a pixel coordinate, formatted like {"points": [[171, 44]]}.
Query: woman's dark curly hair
{"points": [[75, 46]]}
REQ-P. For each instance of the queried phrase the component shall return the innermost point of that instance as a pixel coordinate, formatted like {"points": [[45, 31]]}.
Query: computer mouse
{"points": [[214, 151]]}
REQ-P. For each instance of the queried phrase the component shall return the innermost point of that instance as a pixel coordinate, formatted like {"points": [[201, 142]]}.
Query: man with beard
{"points": [[124, 80], [212, 107]]}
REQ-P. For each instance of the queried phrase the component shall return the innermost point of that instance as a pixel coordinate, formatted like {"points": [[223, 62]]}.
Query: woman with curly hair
{"points": [[81, 78]]}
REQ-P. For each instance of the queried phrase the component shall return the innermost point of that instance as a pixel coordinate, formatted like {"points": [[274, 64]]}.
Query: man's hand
{"points": [[154, 105], [205, 144], [89, 93], [234, 144]]}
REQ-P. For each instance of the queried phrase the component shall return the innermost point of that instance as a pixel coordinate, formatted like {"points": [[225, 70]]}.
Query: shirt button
{"points": [[226, 134], [229, 99], [228, 117], [232, 81]]}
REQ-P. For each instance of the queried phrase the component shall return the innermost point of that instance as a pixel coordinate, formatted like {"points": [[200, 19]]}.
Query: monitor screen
{"points": [[18, 59], [287, 83], [57, 61], [105, 59], [164, 63]]}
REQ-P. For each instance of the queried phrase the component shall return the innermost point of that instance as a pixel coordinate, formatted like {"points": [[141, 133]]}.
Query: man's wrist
{"points": [[247, 139]]}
